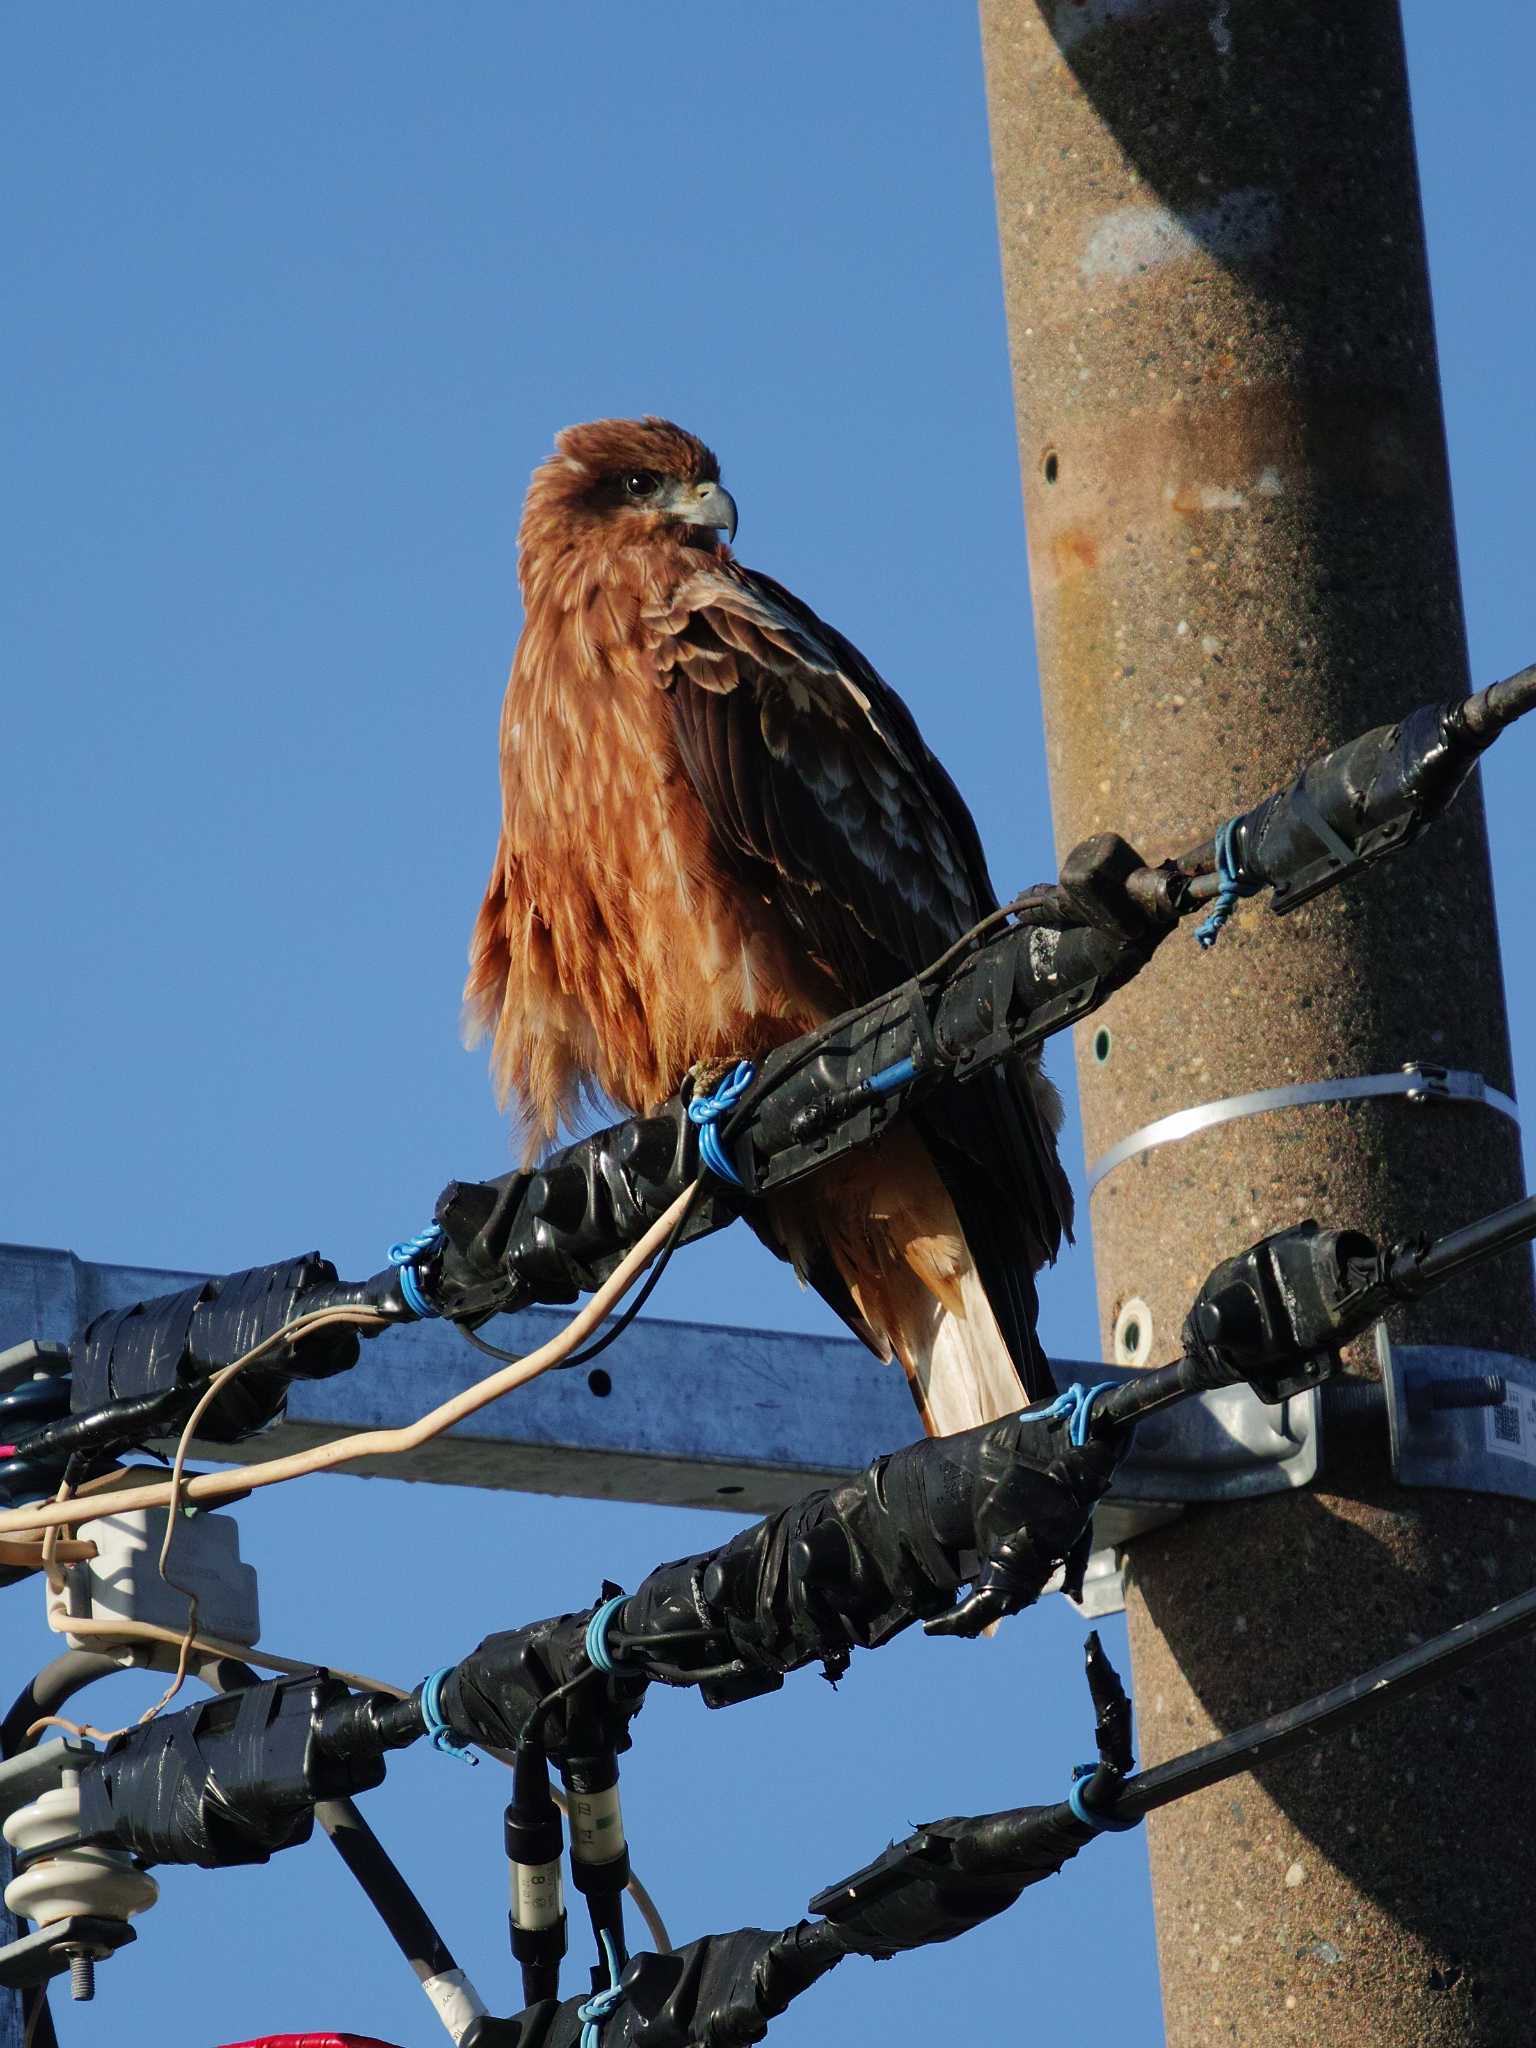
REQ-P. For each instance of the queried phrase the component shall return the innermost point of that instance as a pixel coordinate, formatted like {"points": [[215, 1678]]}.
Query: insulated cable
{"points": [[75, 1669], [372, 1443], [620, 1322]]}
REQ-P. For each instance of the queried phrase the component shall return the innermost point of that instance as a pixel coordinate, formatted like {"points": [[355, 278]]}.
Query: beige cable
{"points": [[212, 1646], [185, 1641], [369, 1443], [53, 1550], [655, 1926], [379, 1443], [29, 1557]]}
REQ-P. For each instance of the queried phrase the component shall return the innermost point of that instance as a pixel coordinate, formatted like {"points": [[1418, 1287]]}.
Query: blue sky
{"points": [[296, 298]]}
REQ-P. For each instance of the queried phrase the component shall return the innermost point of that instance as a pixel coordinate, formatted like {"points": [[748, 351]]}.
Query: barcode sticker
{"points": [[1511, 1429]]}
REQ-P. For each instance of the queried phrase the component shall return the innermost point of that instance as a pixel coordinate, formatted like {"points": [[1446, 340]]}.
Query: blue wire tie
{"points": [[1234, 884], [599, 1656], [442, 1737], [705, 1111], [1077, 1401], [597, 2008], [404, 1255], [1091, 1817]]}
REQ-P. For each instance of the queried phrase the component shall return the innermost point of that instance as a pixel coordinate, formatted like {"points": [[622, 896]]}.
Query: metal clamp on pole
{"points": [[1418, 1080]]}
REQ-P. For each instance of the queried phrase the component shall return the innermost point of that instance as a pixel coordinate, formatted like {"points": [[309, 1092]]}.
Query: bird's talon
{"points": [[705, 1076]]}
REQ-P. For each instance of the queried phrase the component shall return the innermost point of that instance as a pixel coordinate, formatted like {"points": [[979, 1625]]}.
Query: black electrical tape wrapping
{"points": [[1003, 1506], [1369, 797], [723, 1990], [718, 1992], [226, 1782], [948, 1877], [173, 1345], [535, 1684], [549, 1235]]}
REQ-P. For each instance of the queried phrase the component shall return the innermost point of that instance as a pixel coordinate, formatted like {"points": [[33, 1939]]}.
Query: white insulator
{"points": [[102, 1882]]}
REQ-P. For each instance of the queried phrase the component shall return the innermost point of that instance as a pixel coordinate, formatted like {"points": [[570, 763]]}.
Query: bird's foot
{"points": [[705, 1076]]}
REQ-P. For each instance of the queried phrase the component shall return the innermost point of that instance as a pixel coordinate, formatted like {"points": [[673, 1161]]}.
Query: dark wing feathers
{"points": [[818, 774], [816, 779]]}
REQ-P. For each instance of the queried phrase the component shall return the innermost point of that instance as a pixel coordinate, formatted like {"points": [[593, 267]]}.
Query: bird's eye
{"points": [[641, 483]]}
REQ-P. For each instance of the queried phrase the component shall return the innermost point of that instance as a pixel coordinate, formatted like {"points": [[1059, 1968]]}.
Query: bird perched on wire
{"points": [[719, 829]]}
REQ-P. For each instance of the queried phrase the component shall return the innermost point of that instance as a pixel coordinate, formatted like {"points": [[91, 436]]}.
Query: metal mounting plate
{"points": [[28, 1776], [1223, 1446], [1471, 1450], [37, 1957]]}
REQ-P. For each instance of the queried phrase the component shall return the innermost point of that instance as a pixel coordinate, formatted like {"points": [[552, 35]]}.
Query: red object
{"points": [[312, 2041]]}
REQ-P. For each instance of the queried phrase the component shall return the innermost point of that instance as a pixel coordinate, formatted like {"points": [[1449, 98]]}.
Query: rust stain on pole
{"points": [[1241, 551]]}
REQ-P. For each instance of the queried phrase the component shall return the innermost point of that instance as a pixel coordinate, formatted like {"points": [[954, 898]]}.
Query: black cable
{"points": [[534, 1837], [1415, 1272], [529, 1731], [1280, 1733], [51, 1689], [409, 1925], [37, 2029], [647, 1288], [491, 1350], [405, 1918]]}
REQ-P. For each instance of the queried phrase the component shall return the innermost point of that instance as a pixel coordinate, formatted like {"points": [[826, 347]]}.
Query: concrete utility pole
{"points": [[1241, 550]]}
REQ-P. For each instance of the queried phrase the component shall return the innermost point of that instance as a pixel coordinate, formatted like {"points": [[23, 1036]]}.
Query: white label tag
{"points": [[537, 1895], [456, 1999], [597, 1826], [1511, 1430]]}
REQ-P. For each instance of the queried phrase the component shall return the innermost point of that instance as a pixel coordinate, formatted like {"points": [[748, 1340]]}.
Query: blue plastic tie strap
{"points": [[599, 1656], [596, 2009], [442, 1737], [705, 1111], [1092, 1817], [404, 1255], [1234, 885], [1077, 1402]]}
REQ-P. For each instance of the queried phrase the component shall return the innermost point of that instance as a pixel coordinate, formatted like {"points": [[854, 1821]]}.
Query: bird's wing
{"points": [[810, 767], [817, 782]]}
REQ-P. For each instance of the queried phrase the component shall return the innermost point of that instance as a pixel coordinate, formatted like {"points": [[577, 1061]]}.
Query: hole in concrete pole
{"points": [[1050, 469], [1102, 1042], [1133, 1332], [599, 1382]]}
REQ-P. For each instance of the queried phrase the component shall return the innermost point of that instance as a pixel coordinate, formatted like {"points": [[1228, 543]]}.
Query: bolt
{"points": [[1481, 1390], [1351, 1397], [1435, 1396], [82, 1973]]}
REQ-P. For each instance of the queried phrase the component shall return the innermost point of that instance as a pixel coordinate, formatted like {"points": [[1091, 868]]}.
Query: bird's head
{"points": [[620, 482]]}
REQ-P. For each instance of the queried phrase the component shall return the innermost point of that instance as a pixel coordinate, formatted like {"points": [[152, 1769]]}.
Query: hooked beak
{"points": [[705, 504]]}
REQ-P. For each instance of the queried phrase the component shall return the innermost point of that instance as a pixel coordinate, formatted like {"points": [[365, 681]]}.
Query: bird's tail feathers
{"points": [[887, 1225], [959, 1368]]}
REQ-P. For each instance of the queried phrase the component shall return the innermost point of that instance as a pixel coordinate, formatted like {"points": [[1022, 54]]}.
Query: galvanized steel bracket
{"points": [[1485, 1449], [1222, 1446], [1230, 1446]]}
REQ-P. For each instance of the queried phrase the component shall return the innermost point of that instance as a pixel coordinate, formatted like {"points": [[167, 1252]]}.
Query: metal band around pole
{"points": [[1418, 1080]]}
